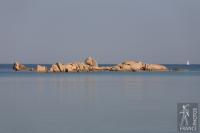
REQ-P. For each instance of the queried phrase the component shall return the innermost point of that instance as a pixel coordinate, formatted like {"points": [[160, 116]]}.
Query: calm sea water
{"points": [[106, 102]]}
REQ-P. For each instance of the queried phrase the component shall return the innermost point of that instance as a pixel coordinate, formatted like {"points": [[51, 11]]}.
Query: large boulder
{"points": [[135, 65], [54, 68], [91, 62], [61, 67], [40, 68], [72, 67], [81, 67], [155, 67], [20, 67], [129, 66], [76, 67], [69, 68]]}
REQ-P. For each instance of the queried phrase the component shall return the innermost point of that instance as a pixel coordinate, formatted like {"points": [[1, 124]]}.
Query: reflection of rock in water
{"points": [[66, 89], [77, 89], [133, 88]]}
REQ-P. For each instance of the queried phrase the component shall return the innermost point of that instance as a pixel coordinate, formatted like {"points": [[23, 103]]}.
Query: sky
{"points": [[47, 31]]}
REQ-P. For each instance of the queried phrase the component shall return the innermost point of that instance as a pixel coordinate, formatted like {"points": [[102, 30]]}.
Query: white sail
{"points": [[188, 63]]}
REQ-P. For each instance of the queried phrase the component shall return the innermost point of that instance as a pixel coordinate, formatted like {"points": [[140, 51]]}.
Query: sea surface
{"points": [[98, 102]]}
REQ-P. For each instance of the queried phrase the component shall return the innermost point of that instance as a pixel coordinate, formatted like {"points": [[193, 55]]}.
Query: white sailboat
{"points": [[188, 63]]}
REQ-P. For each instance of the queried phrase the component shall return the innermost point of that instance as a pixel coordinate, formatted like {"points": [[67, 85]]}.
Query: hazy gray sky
{"points": [[46, 31]]}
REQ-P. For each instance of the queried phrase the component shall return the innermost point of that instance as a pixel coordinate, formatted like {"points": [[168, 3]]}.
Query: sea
{"points": [[95, 102]]}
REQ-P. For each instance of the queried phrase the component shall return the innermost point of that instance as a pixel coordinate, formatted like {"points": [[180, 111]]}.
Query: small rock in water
{"points": [[20, 67], [40, 68]]}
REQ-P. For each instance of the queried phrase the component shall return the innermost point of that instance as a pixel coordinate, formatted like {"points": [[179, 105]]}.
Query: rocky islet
{"points": [[90, 65]]}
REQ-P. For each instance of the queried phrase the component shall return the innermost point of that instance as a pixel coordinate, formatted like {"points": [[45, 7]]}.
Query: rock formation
{"points": [[76, 67], [90, 65], [130, 66], [70, 67], [20, 67], [61, 67], [40, 68], [155, 67], [54, 68], [90, 61]]}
